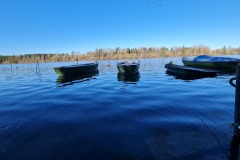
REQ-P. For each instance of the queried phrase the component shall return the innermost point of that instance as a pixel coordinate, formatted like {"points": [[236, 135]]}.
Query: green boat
{"points": [[78, 69], [205, 61], [128, 67], [185, 72]]}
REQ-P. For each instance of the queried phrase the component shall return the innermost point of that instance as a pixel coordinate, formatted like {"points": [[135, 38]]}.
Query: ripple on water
{"points": [[105, 117]]}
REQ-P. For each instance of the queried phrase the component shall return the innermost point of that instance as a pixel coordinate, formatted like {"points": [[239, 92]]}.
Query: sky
{"points": [[63, 26]]}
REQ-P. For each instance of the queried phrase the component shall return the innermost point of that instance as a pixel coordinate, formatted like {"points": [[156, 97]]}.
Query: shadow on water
{"points": [[186, 77], [129, 78], [70, 80]]}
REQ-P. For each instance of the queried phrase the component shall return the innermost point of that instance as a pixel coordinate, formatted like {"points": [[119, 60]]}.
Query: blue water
{"points": [[151, 116]]}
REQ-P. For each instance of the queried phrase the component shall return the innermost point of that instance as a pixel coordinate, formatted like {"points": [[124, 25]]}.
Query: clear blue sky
{"points": [[62, 26]]}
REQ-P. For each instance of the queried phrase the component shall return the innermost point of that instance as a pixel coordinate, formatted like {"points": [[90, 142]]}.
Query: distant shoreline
{"points": [[118, 53]]}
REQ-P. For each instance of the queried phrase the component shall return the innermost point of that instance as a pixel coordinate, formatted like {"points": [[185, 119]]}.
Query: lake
{"points": [[106, 116]]}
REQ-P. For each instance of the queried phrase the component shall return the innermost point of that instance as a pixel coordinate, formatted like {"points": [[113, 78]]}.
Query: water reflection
{"points": [[186, 77], [132, 78], [69, 80]]}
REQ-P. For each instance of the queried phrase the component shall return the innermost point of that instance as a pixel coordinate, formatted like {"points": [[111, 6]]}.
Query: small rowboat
{"points": [[128, 67], [79, 69]]}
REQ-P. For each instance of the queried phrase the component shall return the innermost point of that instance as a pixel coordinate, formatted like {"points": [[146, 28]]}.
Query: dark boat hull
{"points": [[204, 61], [189, 72], [76, 69], [128, 68], [228, 65]]}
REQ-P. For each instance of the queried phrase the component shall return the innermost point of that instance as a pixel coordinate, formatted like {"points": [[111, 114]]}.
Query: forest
{"points": [[118, 53]]}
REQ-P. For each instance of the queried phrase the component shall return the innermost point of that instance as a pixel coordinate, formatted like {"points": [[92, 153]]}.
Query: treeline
{"points": [[119, 53]]}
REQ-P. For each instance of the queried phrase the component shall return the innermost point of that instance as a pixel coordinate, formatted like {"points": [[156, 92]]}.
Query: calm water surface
{"points": [[111, 117]]}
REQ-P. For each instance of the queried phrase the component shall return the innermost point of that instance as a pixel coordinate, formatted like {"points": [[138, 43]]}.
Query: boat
{"points": [[188, 73], [205, 61], [78, 69], [128, 67]]}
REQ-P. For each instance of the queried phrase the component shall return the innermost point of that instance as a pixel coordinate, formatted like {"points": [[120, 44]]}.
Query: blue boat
{"points": [[205, 61]]}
